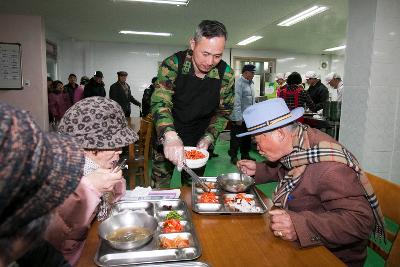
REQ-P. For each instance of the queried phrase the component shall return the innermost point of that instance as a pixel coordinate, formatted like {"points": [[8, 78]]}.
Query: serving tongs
{"points": [[196, 178]]}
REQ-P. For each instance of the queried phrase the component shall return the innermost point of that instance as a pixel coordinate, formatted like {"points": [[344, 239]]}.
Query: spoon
{"points": [[241, 174]]}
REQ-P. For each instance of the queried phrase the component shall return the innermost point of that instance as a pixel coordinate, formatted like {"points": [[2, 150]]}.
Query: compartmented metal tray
{"points": [[152, 252], [227, 203]]}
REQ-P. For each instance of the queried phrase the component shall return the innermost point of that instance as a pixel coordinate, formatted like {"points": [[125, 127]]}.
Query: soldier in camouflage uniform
{"points": [[192, 101]]}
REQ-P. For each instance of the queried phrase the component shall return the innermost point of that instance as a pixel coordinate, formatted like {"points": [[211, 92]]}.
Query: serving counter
{"points": [[236, 240]]}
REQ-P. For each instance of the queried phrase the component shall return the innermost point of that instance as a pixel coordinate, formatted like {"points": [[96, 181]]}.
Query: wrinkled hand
{"points": [[204, 143], [247, 167], [104, 180], [173, 148], [281, 224]]}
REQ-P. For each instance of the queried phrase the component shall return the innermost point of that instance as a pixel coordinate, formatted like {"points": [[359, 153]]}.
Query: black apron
{"points": [[195, 102]]}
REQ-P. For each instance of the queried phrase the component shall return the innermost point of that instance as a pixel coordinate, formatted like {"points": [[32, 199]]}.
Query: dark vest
{"points": [[195, 102]]}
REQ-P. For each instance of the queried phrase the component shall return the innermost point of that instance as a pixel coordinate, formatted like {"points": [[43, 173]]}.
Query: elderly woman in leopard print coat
{"points": [[99, 125]]}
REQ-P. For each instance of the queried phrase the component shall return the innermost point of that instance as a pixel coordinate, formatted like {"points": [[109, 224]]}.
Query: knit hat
{"points": [[287, 74], [38, 170], [331, 76], [312, 75], [97, 123], [279, 76]]}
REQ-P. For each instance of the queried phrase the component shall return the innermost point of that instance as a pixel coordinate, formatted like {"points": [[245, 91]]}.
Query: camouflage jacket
{"points": [[161, 100]]}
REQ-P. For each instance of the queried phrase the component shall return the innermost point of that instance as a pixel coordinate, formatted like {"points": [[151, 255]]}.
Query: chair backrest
{"points": [[145, 132], [388, 195], [139, 153]]}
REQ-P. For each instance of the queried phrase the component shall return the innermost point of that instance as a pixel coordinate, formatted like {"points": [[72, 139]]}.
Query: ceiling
{"points": [[100, 20]]}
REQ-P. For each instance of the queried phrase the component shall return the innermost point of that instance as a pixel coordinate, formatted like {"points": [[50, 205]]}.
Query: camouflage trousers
{"points": [[163, 170]]}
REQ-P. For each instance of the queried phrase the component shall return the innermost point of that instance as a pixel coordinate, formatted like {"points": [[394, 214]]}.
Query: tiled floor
{"points": [[221, 164]]}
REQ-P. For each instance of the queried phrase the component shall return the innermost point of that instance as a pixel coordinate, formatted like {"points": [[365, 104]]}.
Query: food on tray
{"points": [[211, 185], [173, 215], [129, 234], [172, 226], [194, 154], [177, 242], [208, 197], [167, 207], [241, 202]]}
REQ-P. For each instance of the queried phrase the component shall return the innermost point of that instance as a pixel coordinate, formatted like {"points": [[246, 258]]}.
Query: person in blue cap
{"points": [[244, 97], [323, 197]]}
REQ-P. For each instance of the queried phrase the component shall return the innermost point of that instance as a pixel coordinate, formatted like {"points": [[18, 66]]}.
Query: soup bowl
{"points": [[128, 230]]}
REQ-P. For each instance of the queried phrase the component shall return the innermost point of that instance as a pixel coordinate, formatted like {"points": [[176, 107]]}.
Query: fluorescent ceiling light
{"points": [[312, 11], [285, 59], [249, 40], [147, 33], [335, 48], [169, 2]]}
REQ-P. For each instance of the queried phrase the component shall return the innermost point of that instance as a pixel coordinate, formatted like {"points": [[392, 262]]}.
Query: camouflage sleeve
{"points": [[161, 100], [220, 119]]}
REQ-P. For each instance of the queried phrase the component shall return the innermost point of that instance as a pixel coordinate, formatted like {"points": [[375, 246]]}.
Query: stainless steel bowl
{"points": [[231, 182], [127, 219]]}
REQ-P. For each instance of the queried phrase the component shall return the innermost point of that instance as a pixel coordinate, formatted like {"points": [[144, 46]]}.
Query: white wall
{"points": [[370, 117], [29, 32], [141, 61]]}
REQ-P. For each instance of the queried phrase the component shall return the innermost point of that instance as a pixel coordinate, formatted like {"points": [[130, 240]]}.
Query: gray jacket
{"points": [[244, 97]]}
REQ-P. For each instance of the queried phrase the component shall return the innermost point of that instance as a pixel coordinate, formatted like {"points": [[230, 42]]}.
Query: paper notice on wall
{"points": [[10, 66]]}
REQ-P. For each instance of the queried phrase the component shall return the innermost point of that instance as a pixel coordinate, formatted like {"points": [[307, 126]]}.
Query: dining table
{"points": [[236, 240]]}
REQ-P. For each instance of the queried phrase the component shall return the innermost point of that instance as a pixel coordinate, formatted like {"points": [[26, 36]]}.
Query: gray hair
{"points": [[210, 29]]}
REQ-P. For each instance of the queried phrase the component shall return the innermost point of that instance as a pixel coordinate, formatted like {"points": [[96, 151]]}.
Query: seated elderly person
{"points": [[38, 172], [100, 127], [322, 197]]}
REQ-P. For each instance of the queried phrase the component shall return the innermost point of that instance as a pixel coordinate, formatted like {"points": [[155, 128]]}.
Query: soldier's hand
{"points": [[173, 148], [204, 142]]}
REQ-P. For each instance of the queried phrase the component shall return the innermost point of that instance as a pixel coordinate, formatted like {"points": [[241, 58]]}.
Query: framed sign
{"points": [[10, 66]]}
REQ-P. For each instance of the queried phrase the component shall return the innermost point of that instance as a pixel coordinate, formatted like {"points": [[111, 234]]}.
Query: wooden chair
{"points": [[139, 154], [388, 195]]}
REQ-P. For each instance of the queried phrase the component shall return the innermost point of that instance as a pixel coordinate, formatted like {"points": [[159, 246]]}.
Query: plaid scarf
{"points": [[325, 151]]}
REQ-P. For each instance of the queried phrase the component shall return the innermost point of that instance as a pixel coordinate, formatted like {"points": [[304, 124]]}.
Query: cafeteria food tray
{"points": [[152, 252], [247, 203]]}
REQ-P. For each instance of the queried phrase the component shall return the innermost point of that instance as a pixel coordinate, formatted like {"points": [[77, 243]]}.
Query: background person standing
{"points": [[318, 92], [95, 86], [244, 97], [120, 92]]}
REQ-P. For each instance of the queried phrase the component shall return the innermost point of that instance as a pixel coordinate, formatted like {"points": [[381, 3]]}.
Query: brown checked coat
{"points": [[328, 207]]}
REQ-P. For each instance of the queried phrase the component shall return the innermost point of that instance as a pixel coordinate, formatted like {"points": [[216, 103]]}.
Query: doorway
{"points": [[263, 76]]}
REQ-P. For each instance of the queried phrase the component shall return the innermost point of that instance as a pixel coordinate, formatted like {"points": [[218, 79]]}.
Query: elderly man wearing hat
{"points": [[335, 81], [244, 97], [120, 92], [95, 87], [99, 126], [38, 171], [323, 197], [318, 92]]}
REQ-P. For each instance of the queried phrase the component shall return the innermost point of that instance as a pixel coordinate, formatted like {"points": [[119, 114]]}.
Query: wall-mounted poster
{"points": [[10, 66]]}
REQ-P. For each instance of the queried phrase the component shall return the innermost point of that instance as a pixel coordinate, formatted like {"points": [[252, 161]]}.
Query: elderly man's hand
{"points": [[282, 225], [248, 167]]}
